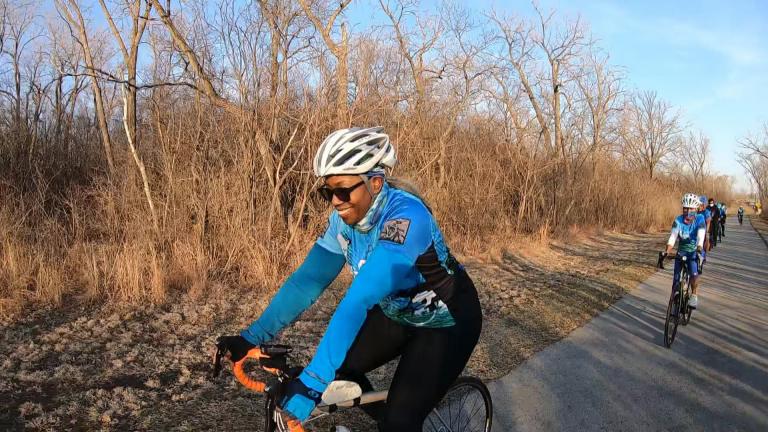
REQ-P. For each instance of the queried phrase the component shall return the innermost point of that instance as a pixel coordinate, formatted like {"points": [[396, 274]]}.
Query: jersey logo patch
{"points": [[395, 230]]}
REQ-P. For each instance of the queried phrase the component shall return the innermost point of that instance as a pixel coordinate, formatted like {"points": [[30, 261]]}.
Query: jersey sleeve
{"points": [[673, 233], [404, 236], [298, 292], [330, 239]]}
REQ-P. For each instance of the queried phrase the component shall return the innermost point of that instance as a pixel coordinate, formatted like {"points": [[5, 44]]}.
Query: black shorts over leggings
{"points": [[430, 359]]}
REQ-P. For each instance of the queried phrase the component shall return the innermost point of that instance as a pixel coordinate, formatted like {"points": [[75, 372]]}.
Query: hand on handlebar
{"points": [[234, 347], [662, 256], [298, 400]]}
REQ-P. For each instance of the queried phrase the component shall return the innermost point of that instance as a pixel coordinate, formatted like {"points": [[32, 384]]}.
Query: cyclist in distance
{"points": [[409, 296], [690, 228], [740, 214], [723, 214], [704, 212], [714, 226]]}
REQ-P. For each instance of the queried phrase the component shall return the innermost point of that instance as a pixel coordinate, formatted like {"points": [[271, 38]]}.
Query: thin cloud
{"points": [[737, 48]]}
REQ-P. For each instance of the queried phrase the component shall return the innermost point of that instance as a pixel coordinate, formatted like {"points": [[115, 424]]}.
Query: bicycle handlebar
{"points": [[271, 358], [664, 256], [245, 380]]}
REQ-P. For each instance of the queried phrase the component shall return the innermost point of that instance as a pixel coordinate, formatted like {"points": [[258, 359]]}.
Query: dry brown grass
{"points": [[96, 242]]}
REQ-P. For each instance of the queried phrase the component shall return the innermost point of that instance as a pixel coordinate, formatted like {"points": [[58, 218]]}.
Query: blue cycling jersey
{"points": [[400, 262], [405, 227], [706, 213], [687, 233]]}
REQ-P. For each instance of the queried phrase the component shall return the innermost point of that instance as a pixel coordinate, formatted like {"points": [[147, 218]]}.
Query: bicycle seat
{"points": [[341, 391]]}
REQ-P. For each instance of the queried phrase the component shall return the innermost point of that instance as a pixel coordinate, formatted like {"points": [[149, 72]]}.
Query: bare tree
{"points": [[287, 26], [281, 16], [754, 159], [651, 133], [339, 49], [415, 44], [757, 143], [561, 46], [694, 155], [756, 168], [203, 79], [600, 87], [517, 50], [464, 70], [20, 31], [130, 53], [70, 11]]}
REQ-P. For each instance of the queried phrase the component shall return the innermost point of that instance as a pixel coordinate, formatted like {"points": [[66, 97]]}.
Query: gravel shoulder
{"points": [[104, 367]]}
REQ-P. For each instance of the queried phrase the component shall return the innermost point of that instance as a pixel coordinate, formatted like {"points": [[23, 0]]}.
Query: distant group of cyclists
{"points": [[697, 230]]}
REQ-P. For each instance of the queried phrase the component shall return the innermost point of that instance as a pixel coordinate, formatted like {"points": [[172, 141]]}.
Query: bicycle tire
{"points": [[687, 315], [670, 324], [674, 309], [447, 415], [688, 310]]}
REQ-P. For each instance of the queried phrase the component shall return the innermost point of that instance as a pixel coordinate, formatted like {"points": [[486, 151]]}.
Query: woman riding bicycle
{"points": [[690, 228], [409, 297]]}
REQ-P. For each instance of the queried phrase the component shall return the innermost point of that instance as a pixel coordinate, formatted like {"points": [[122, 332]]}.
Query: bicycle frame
{"points": [[356, 398], [685, 311]]}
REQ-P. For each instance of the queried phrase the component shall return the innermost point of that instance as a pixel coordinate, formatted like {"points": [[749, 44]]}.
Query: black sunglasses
{"points": [[342, 193]]}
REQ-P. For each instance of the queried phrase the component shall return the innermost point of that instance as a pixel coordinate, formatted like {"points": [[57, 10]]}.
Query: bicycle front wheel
{"points": [[673, 317], [466, 407]]}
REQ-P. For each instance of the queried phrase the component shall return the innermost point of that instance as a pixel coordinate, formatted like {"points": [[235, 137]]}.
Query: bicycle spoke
{"points": [[464, 408], [439, 417], [471, 416], [461, 410], [461, 404]]}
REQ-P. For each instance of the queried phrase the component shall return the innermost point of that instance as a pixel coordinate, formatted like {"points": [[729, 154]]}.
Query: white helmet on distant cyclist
{"points": [[690, 200], [354, 151]]}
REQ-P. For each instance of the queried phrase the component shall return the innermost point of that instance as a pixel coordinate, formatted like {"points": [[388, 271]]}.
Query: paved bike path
{"points": [[614, 374]]}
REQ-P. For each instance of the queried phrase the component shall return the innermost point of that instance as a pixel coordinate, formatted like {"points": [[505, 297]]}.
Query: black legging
{"points": [[714, 232], [430, 359]]}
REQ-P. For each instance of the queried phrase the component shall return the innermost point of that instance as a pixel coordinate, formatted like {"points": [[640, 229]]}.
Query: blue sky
{"points": [[709, 58]]}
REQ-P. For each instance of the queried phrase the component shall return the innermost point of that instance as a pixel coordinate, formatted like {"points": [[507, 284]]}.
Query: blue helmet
{"points": [[703, 200]]}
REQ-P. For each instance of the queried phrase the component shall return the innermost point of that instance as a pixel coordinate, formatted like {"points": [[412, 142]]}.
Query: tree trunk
{"points": [[342, 78], [139, 164]]}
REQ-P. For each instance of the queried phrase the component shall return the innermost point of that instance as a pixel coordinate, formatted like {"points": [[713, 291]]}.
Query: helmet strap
{"points": [[367, 183]]}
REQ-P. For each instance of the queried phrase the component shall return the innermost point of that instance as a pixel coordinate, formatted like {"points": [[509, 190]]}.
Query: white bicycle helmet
{"points": [[354, 151], [690, 200]]}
